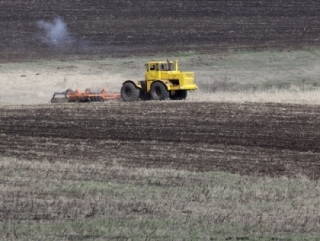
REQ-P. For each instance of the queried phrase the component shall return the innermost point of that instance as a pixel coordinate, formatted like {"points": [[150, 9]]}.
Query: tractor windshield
{"points": [[167, 67]]}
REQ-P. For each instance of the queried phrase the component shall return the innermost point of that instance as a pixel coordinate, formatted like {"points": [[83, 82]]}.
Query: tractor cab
{"points": [[162, 66], [157, 69]]}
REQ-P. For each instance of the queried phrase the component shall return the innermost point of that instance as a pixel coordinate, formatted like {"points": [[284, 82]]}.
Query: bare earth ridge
{"points": [[258, 139]]}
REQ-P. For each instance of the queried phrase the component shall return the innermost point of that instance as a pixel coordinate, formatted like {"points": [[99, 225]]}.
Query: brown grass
{"points": [[288, 77], [294, 95]]}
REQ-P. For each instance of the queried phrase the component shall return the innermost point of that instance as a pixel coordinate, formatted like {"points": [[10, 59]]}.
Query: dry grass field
{"points": [[267, 76], [76, 200]]}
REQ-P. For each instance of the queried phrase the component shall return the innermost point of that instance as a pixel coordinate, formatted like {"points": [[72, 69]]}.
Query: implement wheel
{"points": [[129, 92], [69, 91], [159, 91]]}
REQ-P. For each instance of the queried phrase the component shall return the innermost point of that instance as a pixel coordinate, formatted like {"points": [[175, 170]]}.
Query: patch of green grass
{"points": [[145, 229], [87, 187], [185, 54]]}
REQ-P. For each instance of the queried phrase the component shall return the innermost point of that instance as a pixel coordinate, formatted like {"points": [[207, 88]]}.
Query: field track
{"points": [[258, 139]]}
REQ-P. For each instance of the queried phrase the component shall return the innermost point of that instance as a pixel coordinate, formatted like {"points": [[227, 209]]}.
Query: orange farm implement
{"points": [[86, 96]]}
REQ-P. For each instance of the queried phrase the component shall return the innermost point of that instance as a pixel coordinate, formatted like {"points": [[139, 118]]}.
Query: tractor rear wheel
{"points": [[159, 91], [129, 92]]}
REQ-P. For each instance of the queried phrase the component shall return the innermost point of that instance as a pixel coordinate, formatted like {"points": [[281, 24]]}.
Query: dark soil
{"points": [[122, 28], [255, 139]]}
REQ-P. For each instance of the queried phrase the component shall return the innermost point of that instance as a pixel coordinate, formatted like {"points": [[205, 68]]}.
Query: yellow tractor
{"points": [[163, 80]]}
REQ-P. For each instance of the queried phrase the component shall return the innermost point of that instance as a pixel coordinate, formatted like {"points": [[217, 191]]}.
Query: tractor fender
{"points": [[135, 83], [166, 83]]}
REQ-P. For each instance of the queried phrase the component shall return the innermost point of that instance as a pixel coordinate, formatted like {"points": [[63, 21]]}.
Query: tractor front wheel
{"points": [[182, 94], [129, 92], [159, 91], [179, 95]]}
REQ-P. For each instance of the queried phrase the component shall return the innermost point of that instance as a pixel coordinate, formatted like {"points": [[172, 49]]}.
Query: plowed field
{"points": [[137, 27], [259, 139]]}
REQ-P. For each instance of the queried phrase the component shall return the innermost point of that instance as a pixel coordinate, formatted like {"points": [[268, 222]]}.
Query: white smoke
{"points": [[56, 33]]}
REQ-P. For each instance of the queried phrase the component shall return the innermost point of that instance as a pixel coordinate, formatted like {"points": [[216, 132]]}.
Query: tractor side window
{"points": [[153, 67], [171, 67]]}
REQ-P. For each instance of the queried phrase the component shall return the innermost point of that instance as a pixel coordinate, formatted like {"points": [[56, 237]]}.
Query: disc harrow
{"points": [[83, 96]]}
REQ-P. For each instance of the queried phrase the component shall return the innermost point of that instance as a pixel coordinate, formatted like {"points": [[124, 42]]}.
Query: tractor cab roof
{"points": [[162, 65], [162, 62]]}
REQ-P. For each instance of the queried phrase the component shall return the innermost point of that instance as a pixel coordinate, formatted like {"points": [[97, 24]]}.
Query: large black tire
{"points": [[179, 95], [182, 94], [129, 92], [158, 91]]}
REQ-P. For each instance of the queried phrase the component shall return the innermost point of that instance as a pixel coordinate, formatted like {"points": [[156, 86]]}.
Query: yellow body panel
{"points": [[168, 73]]}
